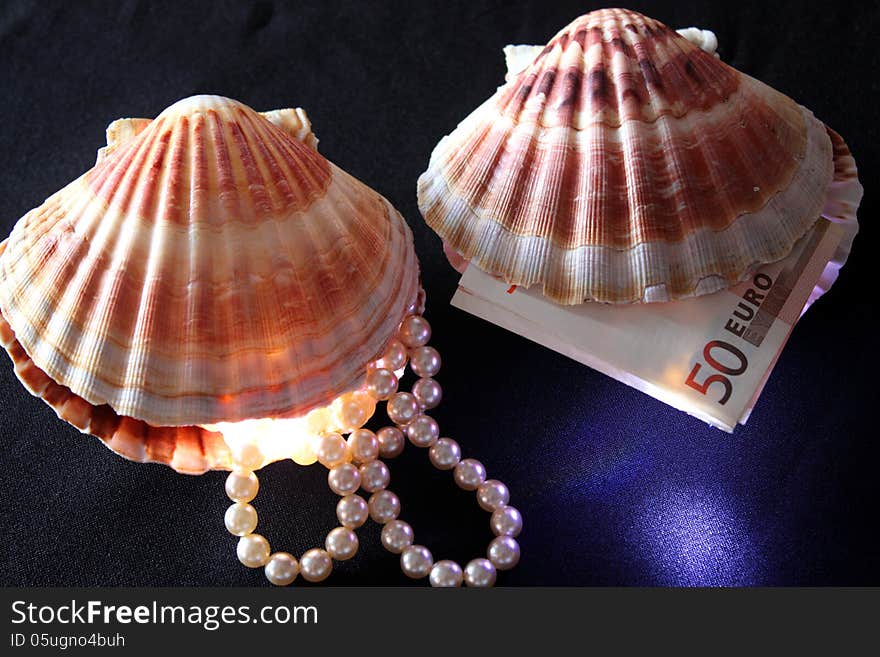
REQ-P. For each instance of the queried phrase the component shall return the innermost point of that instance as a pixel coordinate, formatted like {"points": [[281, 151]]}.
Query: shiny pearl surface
{"points": [[242, 486], [253, 550], [341, 543], [416, 561], [469, 474], [248, 457], [395, 356], [391, 442], [381, 383], [479, 573], [415, 331], [384, 506], [423, 431], [397, 535], [446, 574], [282, 568], [240, 519], [344, 479], [315, 565], [363, 446], [445, 454], [492, 495], [425, 361], [331, 450], [402, 407], [352, 414], [352, 511], [506, 521], [428, 393], [374, 476], [302, 451], [503, 552]]}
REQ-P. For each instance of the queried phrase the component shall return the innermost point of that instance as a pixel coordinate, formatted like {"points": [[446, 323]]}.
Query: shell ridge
{"points": [[468, 248], [186, 251]]}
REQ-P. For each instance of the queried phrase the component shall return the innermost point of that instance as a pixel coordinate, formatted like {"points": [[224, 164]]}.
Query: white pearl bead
{"points": [[302, 450], [391, 442], [416, 561], [374, 476], [384, 506], [242, 486], [240, 519], [428, 393], [397, 535], [415, 331], [363, 446], [341, 543], [315, 565], [469, 474], [331, 450], [479, 573], [352, 414], [352, 511], [423, 431], [506, 521], [425, 361], [395, 356], [381, 383], [344, 479], [253, 550], [445, 454], [402, 407], [503, 552], [446, 574], [492, 495], [282, 568], [248, 457]]}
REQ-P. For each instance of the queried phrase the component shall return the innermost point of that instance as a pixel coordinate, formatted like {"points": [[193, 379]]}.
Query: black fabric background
{"points": [[615, 487]]}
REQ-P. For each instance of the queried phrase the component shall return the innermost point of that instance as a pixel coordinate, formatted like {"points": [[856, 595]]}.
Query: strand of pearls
{"points": [[407, 412], [354, 465]]}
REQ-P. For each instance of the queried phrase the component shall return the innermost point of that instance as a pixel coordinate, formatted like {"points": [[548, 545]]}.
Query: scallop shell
{"points": [[841, 207], [211, 267], [622, 164]]}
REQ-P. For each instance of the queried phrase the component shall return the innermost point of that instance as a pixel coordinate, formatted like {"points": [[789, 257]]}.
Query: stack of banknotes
{"points": [[708, 356]]}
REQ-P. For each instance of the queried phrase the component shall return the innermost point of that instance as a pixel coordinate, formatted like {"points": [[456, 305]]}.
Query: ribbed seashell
{"points": [[210, 268], [623, 164], [841, 206]]}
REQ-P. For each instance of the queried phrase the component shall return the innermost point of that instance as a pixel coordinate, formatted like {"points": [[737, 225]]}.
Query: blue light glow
{"points": [[690, 538]]}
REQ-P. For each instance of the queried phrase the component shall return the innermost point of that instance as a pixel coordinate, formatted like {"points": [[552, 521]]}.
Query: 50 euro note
{"points": [[708, 356]]}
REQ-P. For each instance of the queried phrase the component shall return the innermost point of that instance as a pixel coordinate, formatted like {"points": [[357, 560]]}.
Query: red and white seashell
{"points": [[211, 268], [624, 163]]}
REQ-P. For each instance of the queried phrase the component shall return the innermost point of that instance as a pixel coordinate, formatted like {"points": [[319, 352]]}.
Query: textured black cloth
{"points": [[615, 487]]}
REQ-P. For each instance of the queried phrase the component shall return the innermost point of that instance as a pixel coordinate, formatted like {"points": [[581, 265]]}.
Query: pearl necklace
{"points": [[355, 465]]}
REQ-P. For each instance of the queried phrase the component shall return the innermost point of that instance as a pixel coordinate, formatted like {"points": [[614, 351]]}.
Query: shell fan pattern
{"points": [[212, 267], [622, 163]]}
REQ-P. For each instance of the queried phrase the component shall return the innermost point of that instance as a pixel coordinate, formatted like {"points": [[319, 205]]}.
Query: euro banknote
{"points": [[709, 356]]}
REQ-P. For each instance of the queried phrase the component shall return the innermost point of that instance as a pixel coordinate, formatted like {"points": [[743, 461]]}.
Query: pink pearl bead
{"points": [[402, 407], [415, 331], [469, 474], [423, 431], [391, 442], [344, 479], [395, 356], [381, 383], [425, 361], [492, 495], [363, 446], [374, 476], [428, 393]]}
